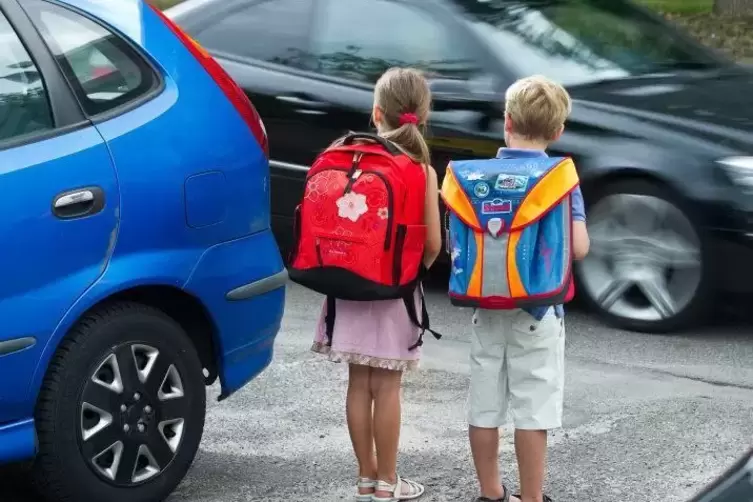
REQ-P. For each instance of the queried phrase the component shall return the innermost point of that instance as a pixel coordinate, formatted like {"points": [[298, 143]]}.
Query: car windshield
{"points": [[583, 41]]}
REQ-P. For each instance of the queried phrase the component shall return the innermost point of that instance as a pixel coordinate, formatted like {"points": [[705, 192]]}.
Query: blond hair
{"points": [[537, 108]]}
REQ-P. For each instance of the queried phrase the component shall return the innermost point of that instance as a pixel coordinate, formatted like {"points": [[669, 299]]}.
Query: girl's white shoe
{"points": [[404, 489], [365, 484]]}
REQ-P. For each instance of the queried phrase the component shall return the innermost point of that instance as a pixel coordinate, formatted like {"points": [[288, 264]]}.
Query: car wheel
{"points": [[121, 412], [646, 270]]}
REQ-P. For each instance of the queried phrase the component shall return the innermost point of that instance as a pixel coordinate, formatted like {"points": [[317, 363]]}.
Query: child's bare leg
{"points": [[530, 448], [385, 387], [360, 422], [488, 398], [485, 450]]}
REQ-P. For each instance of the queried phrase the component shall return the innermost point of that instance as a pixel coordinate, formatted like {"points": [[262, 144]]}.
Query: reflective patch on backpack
{"points": [[512, 183], [496, 206]]}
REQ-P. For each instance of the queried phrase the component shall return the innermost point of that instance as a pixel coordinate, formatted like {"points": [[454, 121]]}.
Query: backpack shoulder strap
{"points": [[362, 136], [550, 190], [329, 318], [424, 323]]}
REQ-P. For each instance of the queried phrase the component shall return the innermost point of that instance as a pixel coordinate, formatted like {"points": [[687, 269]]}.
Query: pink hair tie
{"points": [[408, 118]]}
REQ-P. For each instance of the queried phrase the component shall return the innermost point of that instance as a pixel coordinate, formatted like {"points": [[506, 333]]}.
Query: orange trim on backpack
{"points": [[514, 282], [457, 201], [547, 193], [474, 282]]}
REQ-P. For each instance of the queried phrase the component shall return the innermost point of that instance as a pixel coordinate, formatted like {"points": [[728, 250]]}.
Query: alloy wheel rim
{"points": [[132, 415], [645, 258]]}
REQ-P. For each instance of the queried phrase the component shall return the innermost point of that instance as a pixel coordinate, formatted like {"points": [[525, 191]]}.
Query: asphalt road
{"points": [[646, 417]]}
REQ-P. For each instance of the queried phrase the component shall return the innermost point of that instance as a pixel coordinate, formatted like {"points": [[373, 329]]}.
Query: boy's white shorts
{"points": [[517, 368]]}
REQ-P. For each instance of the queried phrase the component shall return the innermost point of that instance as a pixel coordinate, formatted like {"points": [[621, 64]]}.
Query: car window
{"points": [[104, 71], [394, 34], [271, 30], [24, 106], [581, 41]]}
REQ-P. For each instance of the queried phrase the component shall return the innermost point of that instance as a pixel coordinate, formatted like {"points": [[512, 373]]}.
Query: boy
{"points": [[517, 356]]}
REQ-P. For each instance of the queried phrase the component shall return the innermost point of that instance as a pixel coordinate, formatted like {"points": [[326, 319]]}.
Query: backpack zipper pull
{"points": [[354, 172]]}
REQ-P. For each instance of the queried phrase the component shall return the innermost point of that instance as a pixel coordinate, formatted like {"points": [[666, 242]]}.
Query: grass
{"points": [[730, 34], [682, 7], [164, 4]]}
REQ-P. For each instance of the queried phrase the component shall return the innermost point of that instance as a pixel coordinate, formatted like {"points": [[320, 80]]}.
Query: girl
{"points": [[373, 337]]}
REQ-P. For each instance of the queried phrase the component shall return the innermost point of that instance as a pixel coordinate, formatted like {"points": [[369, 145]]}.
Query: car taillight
{"points": [[231, 89]]}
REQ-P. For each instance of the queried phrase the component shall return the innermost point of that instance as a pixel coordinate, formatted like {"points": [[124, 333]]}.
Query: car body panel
{"points": [[247, 326], [33, 273], [187, 208], [17, 440], [734, 485]]}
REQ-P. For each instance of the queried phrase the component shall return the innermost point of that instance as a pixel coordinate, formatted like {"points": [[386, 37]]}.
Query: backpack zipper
{"points": [[319, 252], [354, 172]]}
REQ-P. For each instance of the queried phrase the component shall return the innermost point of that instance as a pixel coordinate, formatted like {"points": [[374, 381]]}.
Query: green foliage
{"points": [[680, 6], [164, 4]]}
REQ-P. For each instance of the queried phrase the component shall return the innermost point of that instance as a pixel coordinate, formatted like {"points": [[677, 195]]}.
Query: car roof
{"points": [[124, 15]]}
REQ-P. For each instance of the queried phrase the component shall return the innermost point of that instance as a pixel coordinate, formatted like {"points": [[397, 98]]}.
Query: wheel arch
{"points": [[598, 182], [183, 308]]}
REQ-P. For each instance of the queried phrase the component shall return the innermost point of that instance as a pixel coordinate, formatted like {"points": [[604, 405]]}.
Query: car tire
{"points": [[644, 254], [127, 381]]}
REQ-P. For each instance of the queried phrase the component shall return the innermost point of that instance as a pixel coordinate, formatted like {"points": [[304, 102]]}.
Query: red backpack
{"points": [[359, 230]]}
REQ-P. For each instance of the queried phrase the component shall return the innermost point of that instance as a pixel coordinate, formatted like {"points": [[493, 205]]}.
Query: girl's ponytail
{"points": [[404, 98], [411, 140]]}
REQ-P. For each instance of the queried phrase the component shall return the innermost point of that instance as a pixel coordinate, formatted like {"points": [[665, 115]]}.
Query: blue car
{"points": [[137, 264]]}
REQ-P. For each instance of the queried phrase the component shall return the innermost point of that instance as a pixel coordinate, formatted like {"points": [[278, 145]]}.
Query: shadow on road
{"points": [[731, 313], [15, 485]]}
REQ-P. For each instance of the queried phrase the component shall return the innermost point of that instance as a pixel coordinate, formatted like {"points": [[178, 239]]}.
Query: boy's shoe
{"points": [[547, 498], [505, 497]]}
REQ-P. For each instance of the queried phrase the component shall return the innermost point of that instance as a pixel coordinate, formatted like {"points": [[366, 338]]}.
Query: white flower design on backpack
{"points": [[352, 206], [383, 213]]}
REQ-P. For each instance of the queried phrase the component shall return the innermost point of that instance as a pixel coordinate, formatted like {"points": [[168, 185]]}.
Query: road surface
{"points": [[646, 417]]}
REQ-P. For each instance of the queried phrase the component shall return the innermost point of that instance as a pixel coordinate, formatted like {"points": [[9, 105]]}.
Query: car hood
{"points": [[716, 107]]}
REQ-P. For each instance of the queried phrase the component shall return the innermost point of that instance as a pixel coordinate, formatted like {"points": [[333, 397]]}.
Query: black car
{"points": [[661, 128], [735, 485]]}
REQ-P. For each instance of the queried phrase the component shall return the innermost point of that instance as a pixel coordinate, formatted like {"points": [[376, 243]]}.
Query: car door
{"points": [[402, 33], [59, 209]]}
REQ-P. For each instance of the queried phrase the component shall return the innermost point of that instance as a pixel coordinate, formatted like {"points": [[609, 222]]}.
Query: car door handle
{"points": [[78, 203], [302, 102]]}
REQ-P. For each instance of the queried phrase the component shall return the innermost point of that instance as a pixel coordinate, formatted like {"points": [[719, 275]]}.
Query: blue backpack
{"points": [[510, 231]]}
